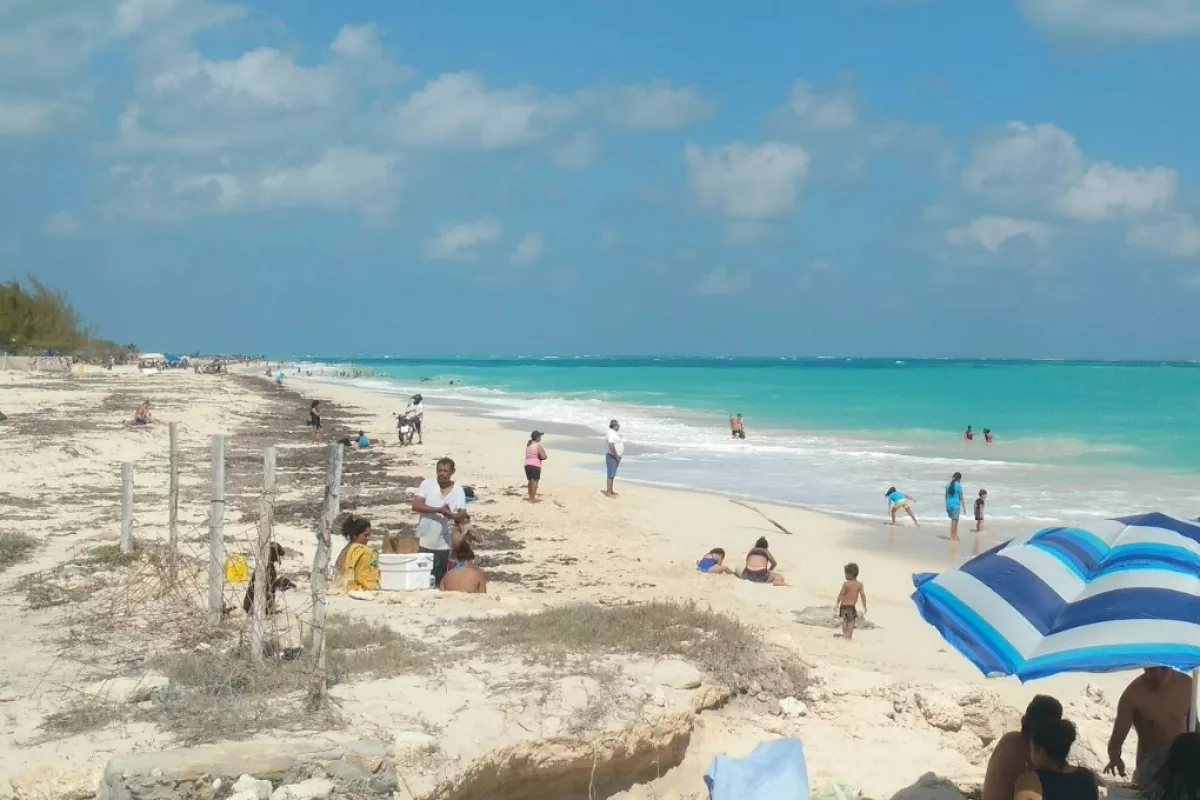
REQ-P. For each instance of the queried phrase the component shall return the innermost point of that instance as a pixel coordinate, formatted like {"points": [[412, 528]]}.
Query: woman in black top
{"points": [[1179, 776], [1052, 778]]}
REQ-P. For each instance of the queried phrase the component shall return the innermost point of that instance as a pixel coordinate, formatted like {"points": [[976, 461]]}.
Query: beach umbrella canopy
{"points": [[1123, 594]]}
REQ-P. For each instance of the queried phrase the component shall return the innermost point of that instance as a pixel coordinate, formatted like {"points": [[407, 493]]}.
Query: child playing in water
{"points": [[713, 563], [899, 501], [847, 600], [979, 503]]}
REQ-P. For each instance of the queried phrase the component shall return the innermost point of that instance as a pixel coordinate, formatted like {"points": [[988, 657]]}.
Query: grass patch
{"points": [[42, 592], [107, 557], [15, 548], [88, 716], [732, 653], [217, 694]]}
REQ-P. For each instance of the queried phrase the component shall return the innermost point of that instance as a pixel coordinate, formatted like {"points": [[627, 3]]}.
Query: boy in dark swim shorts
{"points": [[847, 600]]}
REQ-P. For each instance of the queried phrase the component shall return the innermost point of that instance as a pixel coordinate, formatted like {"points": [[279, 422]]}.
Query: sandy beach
{"points": [[875, 714]]}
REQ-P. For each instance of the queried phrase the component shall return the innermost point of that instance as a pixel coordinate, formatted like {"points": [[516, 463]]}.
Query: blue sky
{"points": [[859, 177]]}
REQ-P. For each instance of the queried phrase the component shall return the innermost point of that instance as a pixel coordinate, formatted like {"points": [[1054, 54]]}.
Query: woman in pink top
{"points": [[535, 454]]}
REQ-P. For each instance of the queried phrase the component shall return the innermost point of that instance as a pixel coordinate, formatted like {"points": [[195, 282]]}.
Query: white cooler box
{"points": [[405, 572]]}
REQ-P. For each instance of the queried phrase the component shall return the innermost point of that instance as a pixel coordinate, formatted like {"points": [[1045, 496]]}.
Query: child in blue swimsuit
{"points": [[712, 563]]}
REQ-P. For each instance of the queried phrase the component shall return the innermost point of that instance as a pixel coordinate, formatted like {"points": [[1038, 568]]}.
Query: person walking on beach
{"points": [[416, 413], [954, 503], [899, 501], [613, 454], [535, 454], [440, 502], [314, 418]]}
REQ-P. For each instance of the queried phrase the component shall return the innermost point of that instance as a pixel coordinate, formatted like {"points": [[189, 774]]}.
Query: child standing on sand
{"points": [[847, 600], [979, 503]]}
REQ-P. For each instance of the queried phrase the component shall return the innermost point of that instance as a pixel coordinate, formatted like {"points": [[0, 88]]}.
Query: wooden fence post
{"points": [[329, 512], [127, 508], [216, 534], [173, 498], [262, 585]]}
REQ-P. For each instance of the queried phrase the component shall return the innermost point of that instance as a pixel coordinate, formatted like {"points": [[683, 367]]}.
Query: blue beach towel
{"points": [[774, 771]]}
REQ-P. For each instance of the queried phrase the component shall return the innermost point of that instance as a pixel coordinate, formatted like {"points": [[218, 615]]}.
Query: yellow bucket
{"points": [[236, 569]]}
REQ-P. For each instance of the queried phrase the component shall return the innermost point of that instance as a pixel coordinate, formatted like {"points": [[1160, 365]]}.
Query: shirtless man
{"points": [[1156, 706], [464, 576], [1010, 758]]}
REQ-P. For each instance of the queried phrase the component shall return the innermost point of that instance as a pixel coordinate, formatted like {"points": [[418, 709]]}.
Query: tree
{"points": [[40, 319]]}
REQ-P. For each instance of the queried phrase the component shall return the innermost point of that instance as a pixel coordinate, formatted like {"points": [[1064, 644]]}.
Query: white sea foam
{"points": [[838, 471]]}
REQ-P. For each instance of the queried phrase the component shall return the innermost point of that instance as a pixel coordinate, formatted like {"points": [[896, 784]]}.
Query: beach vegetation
{"points": [[15, 547], [37, 319], [732, 653]]}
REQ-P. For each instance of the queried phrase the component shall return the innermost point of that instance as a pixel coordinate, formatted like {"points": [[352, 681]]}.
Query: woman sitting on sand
{"points": [[142, 415], [358, 564], [760, 565], [1052, 778]]}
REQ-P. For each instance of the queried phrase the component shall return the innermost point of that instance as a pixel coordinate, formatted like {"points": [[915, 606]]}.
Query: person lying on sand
{"points": [[358, 563], [463, 575], [713, 563], [760, 565], [142, 415]]}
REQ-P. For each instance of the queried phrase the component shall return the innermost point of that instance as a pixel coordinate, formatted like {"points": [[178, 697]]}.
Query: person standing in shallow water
{"points": [[954, 503]]}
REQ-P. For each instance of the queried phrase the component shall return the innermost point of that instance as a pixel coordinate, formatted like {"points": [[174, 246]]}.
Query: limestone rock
{"points": [[708, 697], [53, 783], [131, 691], [930, 787], [311, 789], [836, 791], [253, 788], [792, 708], [939, 712], [676, 674], [247, 794]]}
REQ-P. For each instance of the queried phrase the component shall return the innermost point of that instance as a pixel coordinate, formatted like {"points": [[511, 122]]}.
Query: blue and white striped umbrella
{"points": [[1121, 595]]}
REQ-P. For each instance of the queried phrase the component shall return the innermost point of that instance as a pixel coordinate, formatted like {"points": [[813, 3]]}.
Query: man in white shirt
{"points": [[416, 412], [440, 503], [613, 455]]}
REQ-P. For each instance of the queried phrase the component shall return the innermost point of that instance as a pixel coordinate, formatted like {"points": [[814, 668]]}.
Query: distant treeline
{"points": [[40, 320]]}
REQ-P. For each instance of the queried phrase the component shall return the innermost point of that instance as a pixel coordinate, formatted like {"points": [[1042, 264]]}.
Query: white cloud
{"points": [[265, 76], [62, 224], [722, 282], [133, 15], [747, 182], [354, 41], [528, 251], [579, 152], [992, 233], [1138, 19], [26, 117], [1041, 167], [460, 241], [458, 109], [828, 112], [342, 176], [1177, 237], [658, 106]]}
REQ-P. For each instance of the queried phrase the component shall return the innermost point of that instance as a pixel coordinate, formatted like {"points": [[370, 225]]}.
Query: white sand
{"points": [[867, 729]]}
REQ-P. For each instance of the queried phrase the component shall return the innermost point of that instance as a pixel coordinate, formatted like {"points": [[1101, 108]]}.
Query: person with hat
{"points": [[535, 454]]}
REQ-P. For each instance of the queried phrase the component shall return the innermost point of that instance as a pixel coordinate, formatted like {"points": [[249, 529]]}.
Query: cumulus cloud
{"points": [[62, 224], [1040, 166], [1177, 237], [809, 108], [580, 151], [460, 241], [528, 251], [658, 106], [992, 233], [26, 117], [722, 282], [1135, 19], [749, 182]]}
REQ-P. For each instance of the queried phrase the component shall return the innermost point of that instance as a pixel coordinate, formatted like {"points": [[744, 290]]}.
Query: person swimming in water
{"points": [[969, 435], [987, 435], [898, 501]]}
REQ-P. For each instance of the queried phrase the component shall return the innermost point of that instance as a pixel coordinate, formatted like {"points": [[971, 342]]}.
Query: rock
{"points": [[247, 794], [385, 781], [311, 789], [792, 708], [836, 791], [930, 787], [131, 691], [708, 697], [410, 745], [676, 674], [939, 712], [659, 698], [814, 694], [261, 790], [344, 772]]}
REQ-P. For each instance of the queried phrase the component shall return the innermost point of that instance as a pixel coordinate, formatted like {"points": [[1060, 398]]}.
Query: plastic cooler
{"points": [[405, 572]]}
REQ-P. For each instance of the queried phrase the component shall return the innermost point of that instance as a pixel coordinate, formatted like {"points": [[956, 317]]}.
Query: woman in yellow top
{"points": [[358, 563]]}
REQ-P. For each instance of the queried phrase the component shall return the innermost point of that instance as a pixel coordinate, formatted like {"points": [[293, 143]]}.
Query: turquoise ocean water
{"points": [[1073, 439]]}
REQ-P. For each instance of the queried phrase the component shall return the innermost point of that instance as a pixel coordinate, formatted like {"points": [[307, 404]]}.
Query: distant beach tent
{"points": [[1124, 594], [170, 359]]}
